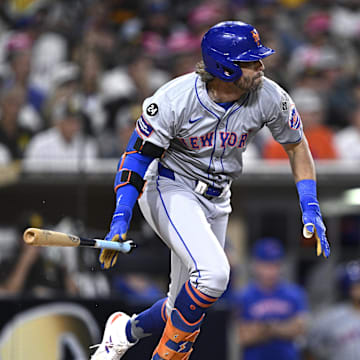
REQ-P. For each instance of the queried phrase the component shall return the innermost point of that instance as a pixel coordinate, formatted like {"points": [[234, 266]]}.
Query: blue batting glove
{"points": [[311, 216], [118, 230], [314, 225]]}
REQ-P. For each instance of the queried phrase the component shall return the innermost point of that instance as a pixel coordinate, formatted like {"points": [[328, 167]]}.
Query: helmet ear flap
{"points": [[227, 73]]}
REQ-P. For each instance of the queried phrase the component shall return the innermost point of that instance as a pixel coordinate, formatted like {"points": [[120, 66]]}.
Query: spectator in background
{"points": [[347, 141], [13, 136], [19, 52], [5, 156], [91, 70], [204, 15], [274, 67], [64, 146], [131, 83], [335, 332], [40, 46], [156, 29], [310, 54], [98, 33], [65, 83], [19, 59], [50, 41], [112, 144], [70, 79], [30, 271], [184, 52], [317, 64], [271, 312], [319, 136], [345, 20], [145, 76]]}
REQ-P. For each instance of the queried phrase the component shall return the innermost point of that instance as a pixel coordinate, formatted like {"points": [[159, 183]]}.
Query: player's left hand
{"points": [[118, 230], [314, 226]]}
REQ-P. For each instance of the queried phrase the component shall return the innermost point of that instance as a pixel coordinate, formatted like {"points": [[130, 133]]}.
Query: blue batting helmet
{"points": [[228, 42]]}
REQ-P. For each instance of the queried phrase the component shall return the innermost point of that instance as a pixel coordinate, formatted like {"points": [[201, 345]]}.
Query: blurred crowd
{"points": [[73, 74], [274, 319], [272, 316]]}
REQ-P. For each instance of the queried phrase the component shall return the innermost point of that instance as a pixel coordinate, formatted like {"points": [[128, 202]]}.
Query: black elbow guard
{"points": [[144, 147], [147, 148]]}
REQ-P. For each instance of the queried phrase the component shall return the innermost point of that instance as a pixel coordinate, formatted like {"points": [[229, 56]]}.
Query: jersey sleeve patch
{"points": [[144, 127], [152, 109], [294, 119], [284, 104]]}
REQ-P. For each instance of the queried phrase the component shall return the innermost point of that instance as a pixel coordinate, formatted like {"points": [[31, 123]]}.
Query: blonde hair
{"points": [[204, 75]]}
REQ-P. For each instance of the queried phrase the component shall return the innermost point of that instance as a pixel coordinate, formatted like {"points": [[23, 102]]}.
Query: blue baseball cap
{"points": [[348, 274], [268, 249]]}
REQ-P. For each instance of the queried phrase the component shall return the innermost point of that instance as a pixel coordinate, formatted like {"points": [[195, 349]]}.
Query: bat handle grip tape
{"points": [[124, 247]]}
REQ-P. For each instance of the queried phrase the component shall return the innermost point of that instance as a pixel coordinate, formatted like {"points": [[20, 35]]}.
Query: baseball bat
{"points": [[41, 237]]}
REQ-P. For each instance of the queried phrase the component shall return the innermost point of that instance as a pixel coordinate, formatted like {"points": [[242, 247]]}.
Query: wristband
{"points": [[307, 193], [306, 187]]}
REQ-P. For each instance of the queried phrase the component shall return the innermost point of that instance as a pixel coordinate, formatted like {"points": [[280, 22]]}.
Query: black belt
{"points": [[201, 187]]}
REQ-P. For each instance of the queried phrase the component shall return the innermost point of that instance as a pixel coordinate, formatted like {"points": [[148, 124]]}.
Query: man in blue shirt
{"points": [[272, 312]]}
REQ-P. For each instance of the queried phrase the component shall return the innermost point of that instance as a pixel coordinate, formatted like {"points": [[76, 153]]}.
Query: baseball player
{"points": [[272, 312], [335, 332], [197, 127]]}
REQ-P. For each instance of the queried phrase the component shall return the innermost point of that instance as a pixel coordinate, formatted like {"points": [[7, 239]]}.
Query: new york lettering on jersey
{"points": [[182, 118], [227, 139]]}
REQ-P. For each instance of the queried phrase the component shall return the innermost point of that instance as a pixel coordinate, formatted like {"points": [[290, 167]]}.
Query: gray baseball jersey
{"points": [[335, 333], [205, 141]]}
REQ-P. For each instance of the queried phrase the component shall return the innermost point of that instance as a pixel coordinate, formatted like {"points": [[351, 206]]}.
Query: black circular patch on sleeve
{"points": [[152, 109]]}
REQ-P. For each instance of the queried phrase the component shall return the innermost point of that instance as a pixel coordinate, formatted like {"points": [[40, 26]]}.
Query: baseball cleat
{"points": [[114, 343]]}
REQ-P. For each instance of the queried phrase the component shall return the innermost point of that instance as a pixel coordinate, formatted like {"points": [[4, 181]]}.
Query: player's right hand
{"points": [[118, 230]]}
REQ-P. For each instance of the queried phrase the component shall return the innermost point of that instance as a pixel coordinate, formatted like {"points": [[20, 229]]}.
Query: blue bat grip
{"points": [[124, 247]]}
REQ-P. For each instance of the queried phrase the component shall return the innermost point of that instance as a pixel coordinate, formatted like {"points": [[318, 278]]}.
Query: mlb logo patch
{"points": [[144, 127], [294, 120]]}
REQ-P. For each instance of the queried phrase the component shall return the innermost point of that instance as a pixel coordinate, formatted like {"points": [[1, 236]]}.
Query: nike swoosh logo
{"points": [[191, 121]]}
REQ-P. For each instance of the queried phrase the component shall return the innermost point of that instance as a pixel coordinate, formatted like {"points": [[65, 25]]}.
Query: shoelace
{"points": [[118, 348]]}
